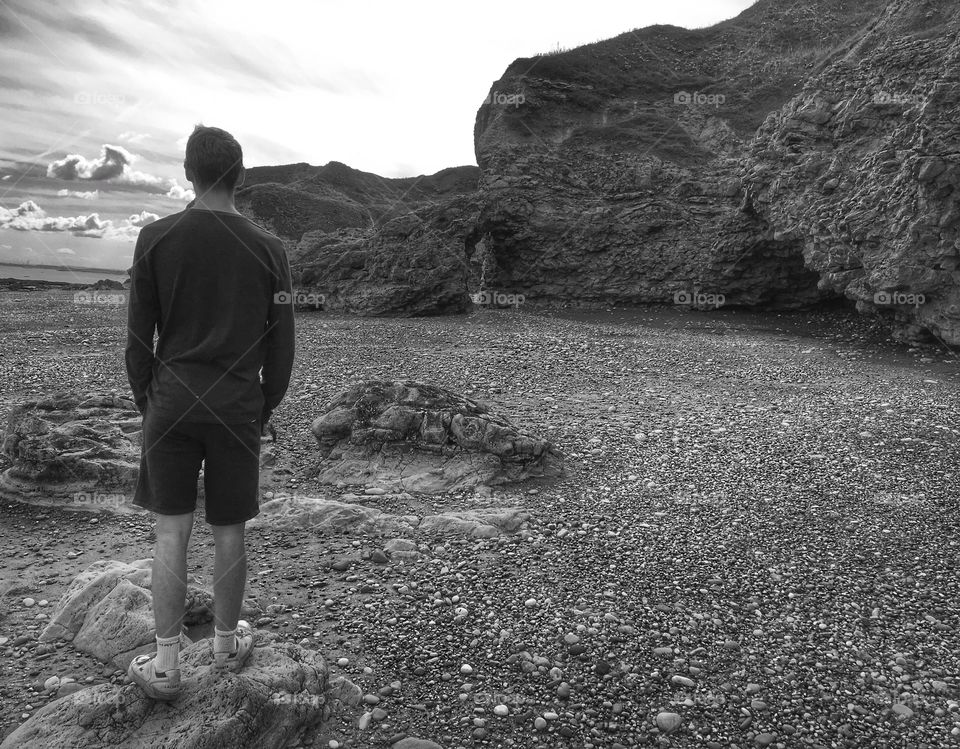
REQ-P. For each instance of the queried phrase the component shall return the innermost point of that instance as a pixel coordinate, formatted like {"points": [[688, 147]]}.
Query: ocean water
{"points": [[28, 273]]}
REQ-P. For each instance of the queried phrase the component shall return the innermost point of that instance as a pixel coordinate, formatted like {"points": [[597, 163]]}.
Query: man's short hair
{"points": [[214, 157]]}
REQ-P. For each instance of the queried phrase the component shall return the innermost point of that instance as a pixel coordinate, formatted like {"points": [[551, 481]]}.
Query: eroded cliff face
{"points": [[862, 168], [649, 168], [611, 172]]}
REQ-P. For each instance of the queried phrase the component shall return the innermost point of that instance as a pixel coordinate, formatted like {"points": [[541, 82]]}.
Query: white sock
{"points": [[168, 653], [225, 640]]}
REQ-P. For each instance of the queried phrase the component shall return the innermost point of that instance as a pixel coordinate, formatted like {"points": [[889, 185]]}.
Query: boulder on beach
{"points": [[279, 699], [414, 436], [108, 612], [82, 451], [72, 449]]}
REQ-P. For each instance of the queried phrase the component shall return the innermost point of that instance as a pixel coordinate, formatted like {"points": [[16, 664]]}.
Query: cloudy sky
{"points": [[98, 96]]}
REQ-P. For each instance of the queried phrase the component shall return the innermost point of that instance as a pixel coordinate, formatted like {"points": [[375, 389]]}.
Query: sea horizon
{"points": [[66, 274]]}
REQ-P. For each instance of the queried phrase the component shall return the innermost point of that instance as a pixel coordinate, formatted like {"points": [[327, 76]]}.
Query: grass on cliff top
{"points": [[757, 60]]}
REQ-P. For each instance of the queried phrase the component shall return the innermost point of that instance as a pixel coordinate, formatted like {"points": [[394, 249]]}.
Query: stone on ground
{"points": [[279, 697], [417, 437]]}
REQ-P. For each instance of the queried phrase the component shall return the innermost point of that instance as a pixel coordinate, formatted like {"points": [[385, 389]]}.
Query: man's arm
{"points": [[143, 311], [278, 360]]}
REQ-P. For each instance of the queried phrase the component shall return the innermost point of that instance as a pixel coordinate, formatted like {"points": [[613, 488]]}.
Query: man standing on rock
{"points": [[216, 288]]}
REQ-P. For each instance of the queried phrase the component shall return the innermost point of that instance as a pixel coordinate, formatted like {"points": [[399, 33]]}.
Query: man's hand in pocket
{"points": [[268, 433]]}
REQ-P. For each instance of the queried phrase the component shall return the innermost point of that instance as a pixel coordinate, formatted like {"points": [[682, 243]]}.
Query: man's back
{"points": [[208, 281]]}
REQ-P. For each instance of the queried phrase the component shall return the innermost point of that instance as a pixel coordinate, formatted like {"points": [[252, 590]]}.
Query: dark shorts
{"points": [[170, 466]]}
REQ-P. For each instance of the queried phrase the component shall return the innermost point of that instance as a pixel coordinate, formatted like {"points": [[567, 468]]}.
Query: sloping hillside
{"points": [[296, 198]]}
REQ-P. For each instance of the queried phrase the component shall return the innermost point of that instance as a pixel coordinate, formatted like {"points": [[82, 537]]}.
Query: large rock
{"points": [[364, 273], [108, 612], [82, 451], [610, 171], [323, 515], [861, 170], [281, 697], [417, 437], [74, 450], [648, 168]]}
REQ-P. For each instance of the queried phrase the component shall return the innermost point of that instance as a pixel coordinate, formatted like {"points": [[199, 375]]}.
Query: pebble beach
{"points": [[756, 543]]}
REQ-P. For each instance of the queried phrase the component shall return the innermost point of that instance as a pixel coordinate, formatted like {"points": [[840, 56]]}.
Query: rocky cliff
{"points": [[862, 170], [785, 157]]}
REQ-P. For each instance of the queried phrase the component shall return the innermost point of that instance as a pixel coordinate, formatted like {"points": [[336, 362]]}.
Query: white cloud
{"points": [[143, 218], [91, 195], [65, 251], [29, 216], [112, 162], [5, 176], [133, 137], [113, 165], [180, 193]]}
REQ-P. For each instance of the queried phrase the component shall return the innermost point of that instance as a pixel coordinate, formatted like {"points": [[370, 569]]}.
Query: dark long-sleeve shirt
{"points": [[217, 289]]}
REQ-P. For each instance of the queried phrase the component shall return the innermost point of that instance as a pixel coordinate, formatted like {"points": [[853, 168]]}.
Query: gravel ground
{"points": [[757, 544]]}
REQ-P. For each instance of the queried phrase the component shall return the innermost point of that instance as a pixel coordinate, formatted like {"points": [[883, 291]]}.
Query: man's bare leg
{"points": [[229, 574], [169, 584]]}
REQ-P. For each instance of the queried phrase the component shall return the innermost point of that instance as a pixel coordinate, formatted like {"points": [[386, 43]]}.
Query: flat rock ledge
{"points": [[282, 695], [73, 449], [412, 436], [331, 516], [107, 612]]}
